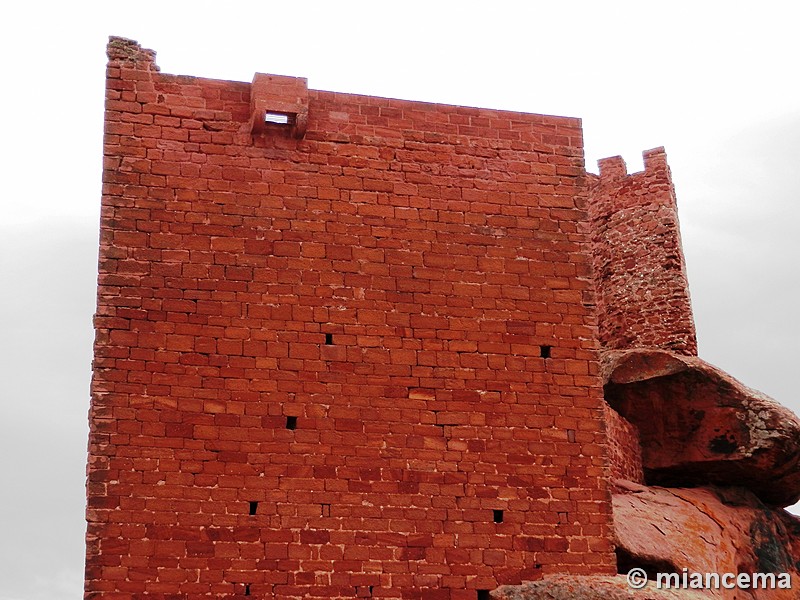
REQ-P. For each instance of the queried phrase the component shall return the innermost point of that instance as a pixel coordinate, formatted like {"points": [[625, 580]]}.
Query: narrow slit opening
{"points": [[329, 339], [253, 507], [291, 423], [246, 589]]}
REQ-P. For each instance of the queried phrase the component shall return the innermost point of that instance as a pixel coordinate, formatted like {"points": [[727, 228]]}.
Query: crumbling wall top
{"points": [[124, 50]]}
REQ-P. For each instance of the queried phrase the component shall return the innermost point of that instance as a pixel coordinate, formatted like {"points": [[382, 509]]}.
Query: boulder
{"points": [[698, 425]]}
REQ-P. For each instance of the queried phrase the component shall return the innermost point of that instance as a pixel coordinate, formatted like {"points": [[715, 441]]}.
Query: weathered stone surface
{"points": [[565, 587], [640, 364], [356, 362], [639, 268], [705, 530], [698, 425], [624, 450]]}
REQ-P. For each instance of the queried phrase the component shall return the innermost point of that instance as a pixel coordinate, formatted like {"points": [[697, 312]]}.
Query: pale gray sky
{"points": [[713, 82]]}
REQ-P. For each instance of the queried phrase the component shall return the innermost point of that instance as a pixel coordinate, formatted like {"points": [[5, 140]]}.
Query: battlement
{"points": [[614, 167]]}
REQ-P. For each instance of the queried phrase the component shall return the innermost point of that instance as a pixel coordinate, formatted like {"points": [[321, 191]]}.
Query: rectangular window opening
{"points": [[253, 507], [329, 339], [483, 595], [277, 118], [291, 423], [498, 516], [544, 351]]}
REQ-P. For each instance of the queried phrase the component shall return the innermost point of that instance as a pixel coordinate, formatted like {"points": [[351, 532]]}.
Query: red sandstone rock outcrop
{"points": [[706, 530], [564, 587], [698, 425]]}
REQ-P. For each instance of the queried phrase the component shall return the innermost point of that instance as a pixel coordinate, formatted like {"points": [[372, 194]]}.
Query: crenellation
{"points": [[612, 168], [655, 159]]}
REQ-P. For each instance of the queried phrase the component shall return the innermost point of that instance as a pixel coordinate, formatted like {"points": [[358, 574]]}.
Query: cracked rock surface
{"points": [[706, 530]]}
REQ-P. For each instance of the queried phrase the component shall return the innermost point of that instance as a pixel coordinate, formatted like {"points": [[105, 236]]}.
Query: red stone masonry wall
{"points": [[624, 447], [350, 356], [643, 294]]}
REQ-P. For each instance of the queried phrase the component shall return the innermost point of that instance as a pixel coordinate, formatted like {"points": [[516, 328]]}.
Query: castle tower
{"points": [[346, 346]]}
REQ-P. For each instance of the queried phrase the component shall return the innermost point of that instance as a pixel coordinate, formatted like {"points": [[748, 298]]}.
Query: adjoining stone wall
{"points": [[643, 293], [351, 354], [624, 447]]}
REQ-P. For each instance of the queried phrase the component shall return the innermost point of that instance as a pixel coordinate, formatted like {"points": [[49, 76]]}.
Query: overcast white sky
{"points": [[716, 83]]}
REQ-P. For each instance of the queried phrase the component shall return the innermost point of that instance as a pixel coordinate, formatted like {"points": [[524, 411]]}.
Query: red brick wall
{"points": [[345, 325], [643, 294]]}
